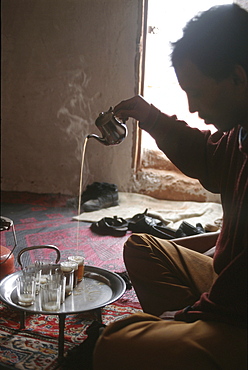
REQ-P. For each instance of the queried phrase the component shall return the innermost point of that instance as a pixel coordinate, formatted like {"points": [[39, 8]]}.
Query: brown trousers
{"points": [[168, 277]]}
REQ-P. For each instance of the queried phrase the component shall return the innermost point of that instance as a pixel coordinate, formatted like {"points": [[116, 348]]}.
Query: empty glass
{"points": [[25, 288], [35, 272], [60, 279], [46, 270], [50, 296]]}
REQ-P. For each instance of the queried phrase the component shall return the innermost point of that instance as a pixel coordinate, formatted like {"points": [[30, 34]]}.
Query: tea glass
{"points": [[46, 270], [60, 279], [80, 261], [25, 288], [68, 268], [51, 296], [35, 272]]}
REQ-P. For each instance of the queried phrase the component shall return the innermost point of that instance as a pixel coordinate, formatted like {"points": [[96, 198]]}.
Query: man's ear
{"points": [[239, 76]]}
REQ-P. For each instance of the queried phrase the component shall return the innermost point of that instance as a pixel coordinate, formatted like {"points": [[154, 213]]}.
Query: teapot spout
{"points": [[98, 138]]}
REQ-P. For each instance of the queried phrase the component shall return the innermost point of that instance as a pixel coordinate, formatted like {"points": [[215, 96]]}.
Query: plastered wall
{"points": [[63, 62]]}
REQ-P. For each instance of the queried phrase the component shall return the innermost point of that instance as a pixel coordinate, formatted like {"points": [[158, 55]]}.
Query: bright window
{"points": [[165, 22]]}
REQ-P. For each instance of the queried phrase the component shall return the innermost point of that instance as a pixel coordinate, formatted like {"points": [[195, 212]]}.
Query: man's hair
{"points": [[215, 41]]}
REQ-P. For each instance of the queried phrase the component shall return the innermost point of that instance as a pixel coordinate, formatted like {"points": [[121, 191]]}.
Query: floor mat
{"points": [[170, 211], [41, 224], [36, 347]]}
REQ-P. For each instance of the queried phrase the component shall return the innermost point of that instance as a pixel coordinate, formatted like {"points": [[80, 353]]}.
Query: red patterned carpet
{"points": [[36, 347], [41, 220], [45, 219]]}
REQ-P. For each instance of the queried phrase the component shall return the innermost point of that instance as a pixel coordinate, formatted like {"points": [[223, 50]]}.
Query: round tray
{"points": [[98, 288]]}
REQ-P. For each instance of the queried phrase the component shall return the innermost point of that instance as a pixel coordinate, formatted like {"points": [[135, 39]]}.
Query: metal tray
{"points": [[99, 288]]}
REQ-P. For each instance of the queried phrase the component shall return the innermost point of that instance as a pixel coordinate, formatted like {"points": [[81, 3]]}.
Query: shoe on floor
{"points": [[99, 195], [142, 223], [115, 226], [186, 229]]}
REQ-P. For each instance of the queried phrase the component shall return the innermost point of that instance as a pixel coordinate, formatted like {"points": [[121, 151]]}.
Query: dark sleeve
{"points": [[196, 153]]}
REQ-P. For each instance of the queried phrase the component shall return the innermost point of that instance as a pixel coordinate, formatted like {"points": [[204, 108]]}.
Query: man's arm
{"points": [[188, 148]]}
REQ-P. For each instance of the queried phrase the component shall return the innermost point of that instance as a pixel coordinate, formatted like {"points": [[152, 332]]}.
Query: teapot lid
{"points": [[105, 117]]}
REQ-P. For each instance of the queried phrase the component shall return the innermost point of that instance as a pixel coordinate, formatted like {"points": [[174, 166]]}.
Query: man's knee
{"points": [[132, 247], [135, 240], [140, 246], [121, 343], [145, 342]]}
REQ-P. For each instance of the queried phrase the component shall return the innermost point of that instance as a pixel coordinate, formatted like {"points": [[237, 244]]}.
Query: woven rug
{"points": [[36, 346], [46, 219]]}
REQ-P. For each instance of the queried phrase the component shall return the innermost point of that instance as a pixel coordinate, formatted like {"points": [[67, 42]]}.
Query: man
{"points": [[205, 298]]}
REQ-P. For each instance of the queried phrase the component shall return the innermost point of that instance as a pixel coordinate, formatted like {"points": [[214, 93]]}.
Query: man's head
{"points": [[215, 41], [211, 63]]}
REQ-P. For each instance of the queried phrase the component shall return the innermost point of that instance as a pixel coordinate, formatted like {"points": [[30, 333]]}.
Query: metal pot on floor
{"points": [[7, 262]]}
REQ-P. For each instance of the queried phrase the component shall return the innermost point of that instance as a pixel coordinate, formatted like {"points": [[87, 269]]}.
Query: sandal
{"points": [[142, 223], [115, 226]]}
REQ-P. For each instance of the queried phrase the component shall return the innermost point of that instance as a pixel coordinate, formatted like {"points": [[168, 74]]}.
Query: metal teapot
{"points": [[113, 131]]}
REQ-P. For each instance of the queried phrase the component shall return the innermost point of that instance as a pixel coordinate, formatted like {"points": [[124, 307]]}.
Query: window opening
{"points": [[164, 25]]}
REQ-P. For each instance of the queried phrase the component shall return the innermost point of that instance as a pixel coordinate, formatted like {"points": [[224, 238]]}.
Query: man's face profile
{"points": [[221, 103]]}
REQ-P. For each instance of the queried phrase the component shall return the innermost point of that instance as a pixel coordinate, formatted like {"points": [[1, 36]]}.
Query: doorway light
{"points": [[165, 21]]}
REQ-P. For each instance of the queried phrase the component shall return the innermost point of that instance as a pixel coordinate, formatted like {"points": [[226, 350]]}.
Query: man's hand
{"points": [[135, 107], [168, 315], [210, 252]]}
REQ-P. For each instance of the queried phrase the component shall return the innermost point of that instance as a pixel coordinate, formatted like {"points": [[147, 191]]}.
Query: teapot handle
{"points": [[38, 247]]}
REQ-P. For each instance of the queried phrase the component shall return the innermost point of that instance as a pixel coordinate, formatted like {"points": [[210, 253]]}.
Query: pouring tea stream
{"points": [[113, 132]]}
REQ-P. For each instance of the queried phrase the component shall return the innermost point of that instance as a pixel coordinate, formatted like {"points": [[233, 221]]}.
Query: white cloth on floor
{"points": [[171, 212]]}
